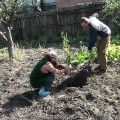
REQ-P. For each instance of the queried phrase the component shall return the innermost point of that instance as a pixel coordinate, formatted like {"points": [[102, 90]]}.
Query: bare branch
{"points": [[3, 36]]}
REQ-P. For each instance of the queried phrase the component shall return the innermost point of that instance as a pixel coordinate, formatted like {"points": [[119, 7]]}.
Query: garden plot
{"points": [[98, 99]]}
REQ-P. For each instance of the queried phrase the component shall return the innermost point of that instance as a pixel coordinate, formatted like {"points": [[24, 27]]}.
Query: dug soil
{"points": [[96, 97]]}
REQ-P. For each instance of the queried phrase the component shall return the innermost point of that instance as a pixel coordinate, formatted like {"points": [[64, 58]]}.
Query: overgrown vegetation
{"points": [[116, 40], [18, 52], [66, 48], [112, 6], [78, 56], [83, 55], [114, 52], [111, 15]]}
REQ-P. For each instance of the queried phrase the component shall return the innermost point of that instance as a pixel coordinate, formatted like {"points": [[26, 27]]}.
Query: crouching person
{"points": [[43, 74]]}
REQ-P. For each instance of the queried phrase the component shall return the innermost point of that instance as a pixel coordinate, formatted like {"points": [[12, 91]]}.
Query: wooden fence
{"points": [[49, 23], [35, 26]]}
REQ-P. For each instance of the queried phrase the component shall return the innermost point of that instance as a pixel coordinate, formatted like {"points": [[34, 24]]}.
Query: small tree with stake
{"points": [[7, 12]]}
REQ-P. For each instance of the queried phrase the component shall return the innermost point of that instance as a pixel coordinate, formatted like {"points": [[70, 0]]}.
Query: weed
{"points": [[82, 55], [66, 48], [19, 53], [114, 52]]}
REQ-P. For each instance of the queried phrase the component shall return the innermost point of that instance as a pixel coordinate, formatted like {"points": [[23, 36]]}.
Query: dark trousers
{"points": [[48, 81]]}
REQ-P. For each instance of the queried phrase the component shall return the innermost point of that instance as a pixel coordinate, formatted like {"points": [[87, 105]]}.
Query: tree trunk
{"points": [[10, 44], [5, 34]]}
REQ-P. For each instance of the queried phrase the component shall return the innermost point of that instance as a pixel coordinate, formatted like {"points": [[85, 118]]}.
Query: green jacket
{"points": [[36, 76]]}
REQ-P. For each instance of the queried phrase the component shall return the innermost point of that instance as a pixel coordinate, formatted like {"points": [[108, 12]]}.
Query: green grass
{"points": [[19, 53]]}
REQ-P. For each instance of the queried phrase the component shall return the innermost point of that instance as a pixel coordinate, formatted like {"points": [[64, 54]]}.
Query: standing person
{"points": [[43, 74], [98, 33]]}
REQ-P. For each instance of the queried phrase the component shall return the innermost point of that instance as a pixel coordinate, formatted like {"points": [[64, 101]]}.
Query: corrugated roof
{"points": [[69, 3]]}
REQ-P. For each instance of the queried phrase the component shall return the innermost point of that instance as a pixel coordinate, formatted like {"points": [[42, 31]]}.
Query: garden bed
{"points": [[98, 99]]}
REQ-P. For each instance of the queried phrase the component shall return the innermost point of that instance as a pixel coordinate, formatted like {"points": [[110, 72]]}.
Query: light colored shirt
{"points": [[99, 26]]}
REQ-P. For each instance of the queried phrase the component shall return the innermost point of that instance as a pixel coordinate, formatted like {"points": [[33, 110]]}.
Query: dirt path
{"points": [[98, 100]]}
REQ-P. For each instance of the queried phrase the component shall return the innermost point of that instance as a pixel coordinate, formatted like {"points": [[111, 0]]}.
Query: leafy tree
{"points": [[112, 11], [7, 12]]}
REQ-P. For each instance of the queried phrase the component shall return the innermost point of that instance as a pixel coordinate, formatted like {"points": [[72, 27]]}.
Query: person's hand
{"points": [[60, 67], [67, 70], [64, 67]]}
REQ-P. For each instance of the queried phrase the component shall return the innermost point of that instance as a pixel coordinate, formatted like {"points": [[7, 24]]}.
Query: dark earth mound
{"points": [[79, 79]]}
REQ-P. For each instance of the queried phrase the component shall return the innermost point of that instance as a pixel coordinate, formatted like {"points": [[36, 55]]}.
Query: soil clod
{"points": [[78, 80]]}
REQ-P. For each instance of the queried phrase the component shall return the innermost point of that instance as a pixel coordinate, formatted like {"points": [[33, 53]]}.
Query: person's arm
{"points": [[61, 66], [92, 37], [50, 68]]}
